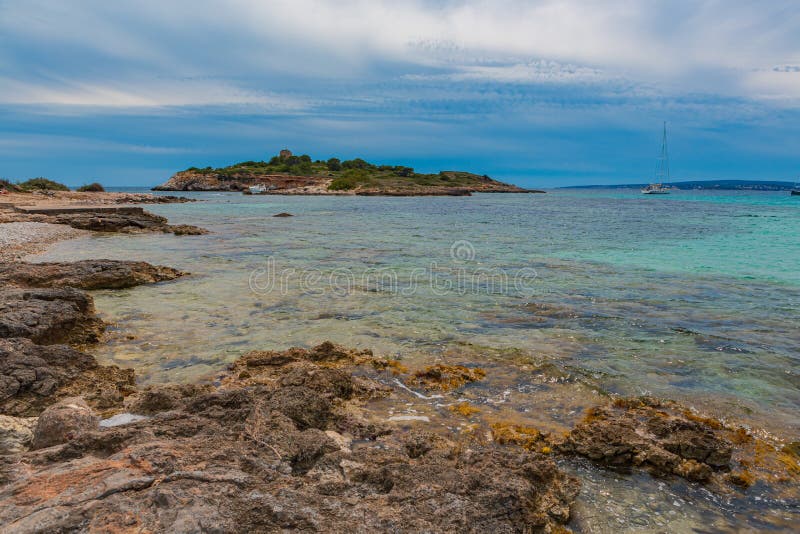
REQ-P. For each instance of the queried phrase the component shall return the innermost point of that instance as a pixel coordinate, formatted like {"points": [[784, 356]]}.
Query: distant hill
{"points": [[720, 185]]}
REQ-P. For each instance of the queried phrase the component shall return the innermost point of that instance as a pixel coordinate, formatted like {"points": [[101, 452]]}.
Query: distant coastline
{"points": [[720, 185]]}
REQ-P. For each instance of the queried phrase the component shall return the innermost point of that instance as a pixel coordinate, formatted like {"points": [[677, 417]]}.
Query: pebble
{"points": [[18, 239]]}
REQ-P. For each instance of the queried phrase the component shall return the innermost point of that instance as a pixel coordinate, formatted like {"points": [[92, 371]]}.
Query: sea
{"points": [[692, 296]]}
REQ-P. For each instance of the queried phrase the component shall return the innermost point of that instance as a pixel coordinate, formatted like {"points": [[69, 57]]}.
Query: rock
{"points": [[283, 214], [16, 433], [691, 440], [104, 219], [642, 434], [244, 457], [447, 377], [304, 406], [62, 422], [186, 229], [134, 220], [33, 377], [48, 316], [88, 274], [164, 397]]}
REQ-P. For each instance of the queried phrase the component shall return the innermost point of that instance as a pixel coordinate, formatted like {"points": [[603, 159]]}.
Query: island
{"points": [[288, 174]]}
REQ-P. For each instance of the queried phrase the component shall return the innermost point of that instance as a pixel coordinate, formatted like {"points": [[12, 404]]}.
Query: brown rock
{"points": [[48, 316], [244, 458], [34, 376], [639, 434], [16, 433], [88, 274], [186, 229], [447, 377], [62, 422]]}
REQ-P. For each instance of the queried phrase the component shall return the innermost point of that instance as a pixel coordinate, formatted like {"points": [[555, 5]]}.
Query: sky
{"points": [[540, 93]]}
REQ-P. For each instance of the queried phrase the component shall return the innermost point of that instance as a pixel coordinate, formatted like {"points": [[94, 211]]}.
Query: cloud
{"points": [[508, 87], [133, 53]]}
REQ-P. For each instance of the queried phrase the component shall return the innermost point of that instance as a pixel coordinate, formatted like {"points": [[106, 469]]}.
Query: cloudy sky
{"points": [[547, 92]]}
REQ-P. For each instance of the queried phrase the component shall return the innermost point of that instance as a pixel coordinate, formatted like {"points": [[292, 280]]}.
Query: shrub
{"points": [[357, 163], [334, 164], [343, 183], [403, 171], [42, 184], [92, 188], [349, 180], [302, 169], [8, 186]]}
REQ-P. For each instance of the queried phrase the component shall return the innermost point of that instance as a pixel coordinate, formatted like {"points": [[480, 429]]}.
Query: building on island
{"points": [[285, 153]]}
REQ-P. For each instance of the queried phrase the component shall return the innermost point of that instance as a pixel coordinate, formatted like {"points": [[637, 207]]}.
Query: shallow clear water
{"points": [[693, 296]]}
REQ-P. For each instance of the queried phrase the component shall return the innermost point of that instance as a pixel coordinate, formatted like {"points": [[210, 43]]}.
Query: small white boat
{"points": [[257, 189], [662, 171], [656, 189]]}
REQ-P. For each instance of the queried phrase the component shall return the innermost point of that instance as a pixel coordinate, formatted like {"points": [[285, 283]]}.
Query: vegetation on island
{"points": [[41, 184], [91, 188], [345, 175]]}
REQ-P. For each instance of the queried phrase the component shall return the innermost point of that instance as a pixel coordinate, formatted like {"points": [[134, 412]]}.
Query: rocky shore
{"points": [[299, 439], [78, 198], [287, 184]]}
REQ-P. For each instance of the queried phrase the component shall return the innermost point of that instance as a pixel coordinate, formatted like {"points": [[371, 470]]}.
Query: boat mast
{"points": [[662, 166]]}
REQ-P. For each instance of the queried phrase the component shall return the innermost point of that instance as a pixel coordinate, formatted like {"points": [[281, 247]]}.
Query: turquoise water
{"points": [[693, 296]]}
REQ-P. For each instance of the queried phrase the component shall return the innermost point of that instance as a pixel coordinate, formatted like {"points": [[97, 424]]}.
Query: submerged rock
{"points": [[186, 229], [48, 316], [87, 274]]}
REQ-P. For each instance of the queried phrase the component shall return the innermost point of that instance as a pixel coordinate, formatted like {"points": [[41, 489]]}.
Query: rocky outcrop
{"points": [[142, 221], [63, 421], [49, 316], [203, 181], [102, 219], [275, 447], [33, 377], [639, 433], [88, 274]]}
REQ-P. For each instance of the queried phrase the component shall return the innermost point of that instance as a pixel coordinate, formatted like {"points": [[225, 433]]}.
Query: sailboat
{"points": [[662, 171]]}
